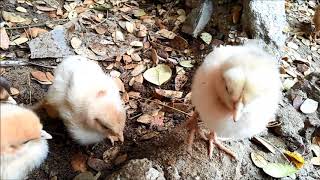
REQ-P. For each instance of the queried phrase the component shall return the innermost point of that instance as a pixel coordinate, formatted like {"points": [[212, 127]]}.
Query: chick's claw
{"points": [[213, 140]]}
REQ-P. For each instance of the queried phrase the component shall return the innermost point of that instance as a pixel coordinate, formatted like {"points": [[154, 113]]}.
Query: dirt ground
{"points": [[164, 145]]}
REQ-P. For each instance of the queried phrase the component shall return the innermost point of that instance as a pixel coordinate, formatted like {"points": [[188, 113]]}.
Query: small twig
{"points": [[8, 63], [29, 84], [37, 25], [277, 149], [133, 117], [164, 105]]}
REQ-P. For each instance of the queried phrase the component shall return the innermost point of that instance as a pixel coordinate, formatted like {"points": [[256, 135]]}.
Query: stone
{"points": [[52, 44], [198, 18], [139, 169], [266, 21]]}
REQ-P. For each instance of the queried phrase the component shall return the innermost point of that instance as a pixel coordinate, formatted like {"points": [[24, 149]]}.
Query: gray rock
{"points": [[292, 123], [266, 20], [139, 169], [198, 18], [52, 44]]}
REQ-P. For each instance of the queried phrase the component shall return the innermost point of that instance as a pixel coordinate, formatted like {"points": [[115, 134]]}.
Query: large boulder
{"points": [[266, 20]]}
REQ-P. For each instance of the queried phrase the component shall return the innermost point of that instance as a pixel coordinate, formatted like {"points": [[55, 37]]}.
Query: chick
{"points": [[87, 100], [5, 90], [316, 21], [235, 92], [23, 142]]}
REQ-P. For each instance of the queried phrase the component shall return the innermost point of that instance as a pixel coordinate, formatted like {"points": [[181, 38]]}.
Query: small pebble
{"points": [[309, 106]]}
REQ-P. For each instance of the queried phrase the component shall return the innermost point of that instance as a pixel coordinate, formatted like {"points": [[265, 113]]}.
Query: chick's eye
{"points": [[25, 142]]}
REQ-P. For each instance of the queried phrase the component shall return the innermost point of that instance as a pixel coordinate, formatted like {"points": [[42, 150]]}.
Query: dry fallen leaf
{"points": [[138, 69], [100, 29], [136, 44], [179, 43], [79, 162], [167, 34], [118, 36], [149, 135], [145, 119], [296, 158], [41, 77], [12, 17], [120, 84], [169, 93], [265, 144], [98, 49], [19, 41], [158, 119], [135, 57], [97, 164], [258, 160], [14, 91], [33, 32], [76, 42], [129, 27], [139, 13], [44, 8], [5, 41], [180, 81], [158, 75], [50, 76], [21, 9]]}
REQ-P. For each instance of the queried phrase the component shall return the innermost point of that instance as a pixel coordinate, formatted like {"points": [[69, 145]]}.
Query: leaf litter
{"points": [[158, 51]]}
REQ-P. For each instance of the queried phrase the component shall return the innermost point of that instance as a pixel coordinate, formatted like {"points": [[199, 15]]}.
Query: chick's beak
{"points": [[45, 135], [120, 136], [237, 110]]}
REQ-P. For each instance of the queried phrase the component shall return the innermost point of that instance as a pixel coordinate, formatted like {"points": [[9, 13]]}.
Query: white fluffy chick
{"points": [[23, 142], [87, 100], [235, 92]]}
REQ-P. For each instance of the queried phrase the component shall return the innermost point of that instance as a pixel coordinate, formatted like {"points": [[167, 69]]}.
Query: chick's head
{"points": [[239, 84], [106, 115], [20, 129]]}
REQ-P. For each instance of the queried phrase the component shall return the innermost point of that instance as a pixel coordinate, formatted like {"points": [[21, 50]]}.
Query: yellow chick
{"points": [[23, 142], [235, 92], [4, 91], [87, 100]]}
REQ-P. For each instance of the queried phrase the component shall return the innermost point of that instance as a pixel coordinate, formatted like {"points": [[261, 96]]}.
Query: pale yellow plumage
{"points": [[236, 91]]}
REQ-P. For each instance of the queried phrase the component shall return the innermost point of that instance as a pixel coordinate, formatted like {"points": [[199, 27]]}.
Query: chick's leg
{"points": [[213, 140], [192, 125]]}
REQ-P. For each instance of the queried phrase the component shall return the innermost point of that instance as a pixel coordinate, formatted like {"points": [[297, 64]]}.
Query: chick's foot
{"points": [[192, 126], [213, 140]]}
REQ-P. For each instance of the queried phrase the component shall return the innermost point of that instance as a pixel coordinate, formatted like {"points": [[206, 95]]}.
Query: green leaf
{"points": [[278, 170], [186, 64], [206, 37], [158, 75]]}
